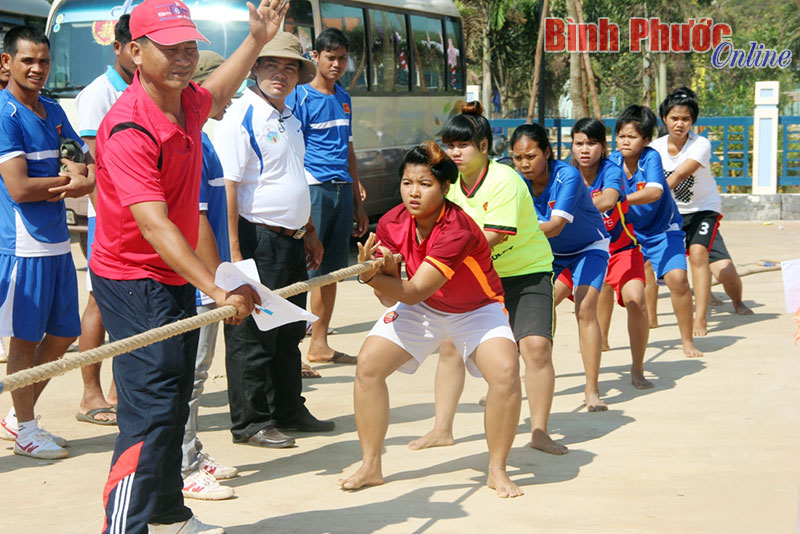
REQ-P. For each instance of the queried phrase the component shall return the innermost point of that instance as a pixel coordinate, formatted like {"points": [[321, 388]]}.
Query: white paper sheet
{"points": [[791, 284], [276, 311]]}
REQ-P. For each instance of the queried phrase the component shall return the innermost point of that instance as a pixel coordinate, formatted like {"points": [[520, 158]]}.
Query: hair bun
{"points": [[684, 92], [472, 108], [434, 152]]}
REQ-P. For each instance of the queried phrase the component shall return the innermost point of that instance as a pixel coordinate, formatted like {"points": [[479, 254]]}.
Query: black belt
{"points": [[294, 234]]}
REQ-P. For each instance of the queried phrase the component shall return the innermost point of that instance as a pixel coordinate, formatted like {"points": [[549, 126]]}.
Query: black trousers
{"points": [[154, 385], [264, 380]]}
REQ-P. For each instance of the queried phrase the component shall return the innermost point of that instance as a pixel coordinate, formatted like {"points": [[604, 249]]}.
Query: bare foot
{"points": [[433, 438], [690, 351], [741, 309], [605, 347], [653, 322], [594, 404], [700, 328], [541, 441], [363, 477], [498, 480], [714, 301], [639, 381]]}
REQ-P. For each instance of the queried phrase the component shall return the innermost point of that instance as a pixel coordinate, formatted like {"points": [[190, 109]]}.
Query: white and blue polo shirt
{"points": [[33, 229], [328, 132], [94, 101], [567, 196]]}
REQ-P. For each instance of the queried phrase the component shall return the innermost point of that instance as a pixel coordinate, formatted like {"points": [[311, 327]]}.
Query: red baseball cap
{"points": [[167, 22]]}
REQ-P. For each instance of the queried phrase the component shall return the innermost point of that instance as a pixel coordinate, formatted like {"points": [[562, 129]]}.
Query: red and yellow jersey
{"points": [[456, 247]]}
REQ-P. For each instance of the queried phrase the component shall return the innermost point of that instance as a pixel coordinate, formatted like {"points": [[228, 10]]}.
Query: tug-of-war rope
{"points": [[26, 377]]}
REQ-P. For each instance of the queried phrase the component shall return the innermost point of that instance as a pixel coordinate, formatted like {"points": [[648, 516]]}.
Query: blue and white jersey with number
{"points": [[567, 196], [328, 132], [33, 229]]}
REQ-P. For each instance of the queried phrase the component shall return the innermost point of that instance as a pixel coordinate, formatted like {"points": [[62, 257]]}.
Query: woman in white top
{"points": [[686, 158]]}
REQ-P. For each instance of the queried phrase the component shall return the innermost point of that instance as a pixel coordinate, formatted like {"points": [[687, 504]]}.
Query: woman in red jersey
{"points": [[452, 292]]}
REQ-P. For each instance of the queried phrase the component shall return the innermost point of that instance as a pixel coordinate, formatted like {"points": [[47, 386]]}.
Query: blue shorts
{"points": [[89, 242], [588, 268], [38, 296], [332, 214], [89, 239], [665, 252]]}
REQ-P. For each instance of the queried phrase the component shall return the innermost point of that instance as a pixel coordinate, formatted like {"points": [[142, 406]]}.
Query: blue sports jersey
{"points": [[327, 131], [656, 217], [214, 201], [33, 229], [567, 196], [618, 226]]}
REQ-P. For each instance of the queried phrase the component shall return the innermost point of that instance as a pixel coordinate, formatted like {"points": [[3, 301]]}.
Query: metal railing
{"points": [[731, 145]]}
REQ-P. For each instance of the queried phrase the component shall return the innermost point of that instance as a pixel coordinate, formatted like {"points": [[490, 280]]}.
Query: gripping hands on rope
{"points": [[58, 367]]}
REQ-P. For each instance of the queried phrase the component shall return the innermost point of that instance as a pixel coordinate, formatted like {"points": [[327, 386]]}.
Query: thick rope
{"points": [[26, 377]]}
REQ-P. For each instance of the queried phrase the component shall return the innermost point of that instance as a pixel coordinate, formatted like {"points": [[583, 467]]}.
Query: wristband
{"points": [[360, 281]]}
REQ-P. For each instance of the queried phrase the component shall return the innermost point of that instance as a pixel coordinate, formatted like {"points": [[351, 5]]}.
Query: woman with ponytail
{"points": [[577, 236], [498, 201], [625, 276], [452, 292]]}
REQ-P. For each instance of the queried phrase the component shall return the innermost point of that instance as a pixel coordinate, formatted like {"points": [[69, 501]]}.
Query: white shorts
{"points": [[420, 329]]}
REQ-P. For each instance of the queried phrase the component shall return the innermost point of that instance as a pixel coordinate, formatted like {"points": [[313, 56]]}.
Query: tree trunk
{"points": [[538, 61], [486, 63], [587, 65], [578, 106]]}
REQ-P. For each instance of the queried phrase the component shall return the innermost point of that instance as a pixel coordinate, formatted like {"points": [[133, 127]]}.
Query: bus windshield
{"points": [[82, 49]]}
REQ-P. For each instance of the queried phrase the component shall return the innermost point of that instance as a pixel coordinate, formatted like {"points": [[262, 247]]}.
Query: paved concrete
{"points": [[713, 448]]}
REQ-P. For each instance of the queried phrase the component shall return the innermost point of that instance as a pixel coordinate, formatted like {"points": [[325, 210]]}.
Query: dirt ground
{"points": [[712, 448]]}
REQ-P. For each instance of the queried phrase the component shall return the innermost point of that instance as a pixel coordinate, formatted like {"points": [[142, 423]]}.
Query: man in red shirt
{"points": [[144, 265]]}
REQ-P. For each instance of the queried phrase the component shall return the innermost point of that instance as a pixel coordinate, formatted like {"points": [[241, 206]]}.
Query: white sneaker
{"points": [[200, 485], [190, 526], [39, 444], [9, 430], [220, 472]]}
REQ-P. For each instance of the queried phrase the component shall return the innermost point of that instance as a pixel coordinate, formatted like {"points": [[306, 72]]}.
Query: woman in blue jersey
{"points": [[625, 276], [577, 237], [654, 214]]}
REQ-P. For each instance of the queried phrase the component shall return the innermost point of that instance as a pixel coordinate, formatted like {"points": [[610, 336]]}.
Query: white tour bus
{"points": [[406, 69]]}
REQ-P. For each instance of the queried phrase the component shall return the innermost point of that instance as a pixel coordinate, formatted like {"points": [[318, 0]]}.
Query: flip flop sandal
{"points": [[91, 416], [306, 371], [342, 358]]}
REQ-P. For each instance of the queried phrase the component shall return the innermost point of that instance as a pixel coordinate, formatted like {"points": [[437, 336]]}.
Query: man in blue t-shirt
{"points": [[324, 109], [199, 470], [38, 284]]}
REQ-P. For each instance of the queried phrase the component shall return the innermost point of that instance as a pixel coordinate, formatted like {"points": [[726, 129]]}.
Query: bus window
{"points": [[455, 72], [351, 21], [428, 46], [300, 22], [389, 51]]}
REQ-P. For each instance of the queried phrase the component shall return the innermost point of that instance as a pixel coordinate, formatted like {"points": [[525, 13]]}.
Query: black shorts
{"points": [[718, 250], [529, 301], [701, 228]]}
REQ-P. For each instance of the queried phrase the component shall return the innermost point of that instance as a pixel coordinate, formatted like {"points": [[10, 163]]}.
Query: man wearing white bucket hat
{"points": [[261, 148]]}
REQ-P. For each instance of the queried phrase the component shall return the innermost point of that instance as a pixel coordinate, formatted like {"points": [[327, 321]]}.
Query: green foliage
{"points": [[621, 77]]}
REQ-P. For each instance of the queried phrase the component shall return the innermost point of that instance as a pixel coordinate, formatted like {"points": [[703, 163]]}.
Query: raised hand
{"points": [[265, 21]]}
